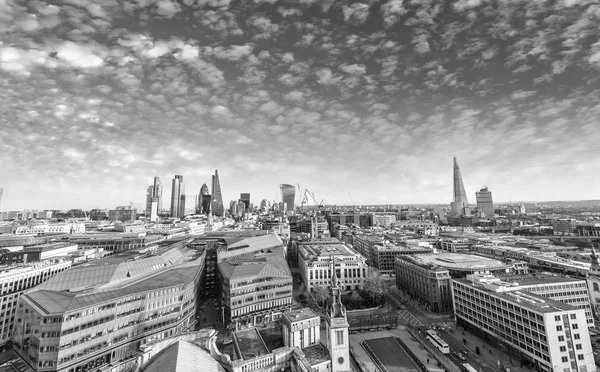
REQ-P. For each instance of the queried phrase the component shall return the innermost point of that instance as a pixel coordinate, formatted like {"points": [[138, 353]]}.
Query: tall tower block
{"points": [[460, 196]]}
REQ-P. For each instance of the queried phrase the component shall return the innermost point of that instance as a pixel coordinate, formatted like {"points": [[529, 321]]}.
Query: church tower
{"points": [[593, 282], [337, 328]]}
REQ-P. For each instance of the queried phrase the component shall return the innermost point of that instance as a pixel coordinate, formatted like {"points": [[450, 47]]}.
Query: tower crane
{"points": [[352, 201]]}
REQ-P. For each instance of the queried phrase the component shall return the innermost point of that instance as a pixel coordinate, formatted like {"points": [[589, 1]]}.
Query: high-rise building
{"points": [[233, 207], [1, 189], [157, 192], [177, 192], [204, 199], [460, 196], [217, 196], [245, 197], [149, 197], [485, 203], [288, 194]]}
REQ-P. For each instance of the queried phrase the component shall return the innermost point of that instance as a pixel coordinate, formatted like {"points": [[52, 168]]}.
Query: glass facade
{"points": [[288, 194]]}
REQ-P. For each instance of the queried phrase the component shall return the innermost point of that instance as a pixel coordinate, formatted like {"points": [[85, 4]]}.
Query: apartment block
{"points": [[546, 334]]}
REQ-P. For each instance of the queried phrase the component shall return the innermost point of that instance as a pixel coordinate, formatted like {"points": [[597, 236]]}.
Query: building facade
{"points": [[177, 197], [428, 284], [314, 259], [288, 195], [485, 203], [217, 205], [14, 281], [87, 317], [547, 335]]}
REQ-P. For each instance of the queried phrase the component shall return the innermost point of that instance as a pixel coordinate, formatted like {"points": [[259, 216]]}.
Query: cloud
{"points": [[356, 13], [232, 53]]}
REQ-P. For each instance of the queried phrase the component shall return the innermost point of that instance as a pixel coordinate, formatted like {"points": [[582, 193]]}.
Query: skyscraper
{"points": [[245, 197], [204, 199], [460, 196], [288, 194], [484, 202], [1, 189], [157, 192], [177, 197], [149, 197], [217, 197]]}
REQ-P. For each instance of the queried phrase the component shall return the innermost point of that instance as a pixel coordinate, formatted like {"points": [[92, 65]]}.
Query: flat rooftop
{"points": [[325, 250], [524, 298], [539, 279], [457, 261], [249, 344], [316, 354], [300, 314]]}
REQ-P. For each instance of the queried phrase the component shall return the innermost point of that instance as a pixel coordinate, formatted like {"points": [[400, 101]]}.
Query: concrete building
{"points": [[93, 315], [563, 226], [122, 214], [314, 263], [546, 334], [245, 198], [363, 220], [256, 288], [116, 242], [14, 281], [588, 230], [485, 203], [51, 228]]}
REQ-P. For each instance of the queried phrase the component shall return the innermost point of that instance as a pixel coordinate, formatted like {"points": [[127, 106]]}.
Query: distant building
{"points": [[157, 192], [204, 199], [245, 198], [485, 204], [563, 226], [460, 196], [217, 197], [288, 194], [546, 334], [588, 230], [363, 220], [178, 197], [122, 214], [314, 259]]}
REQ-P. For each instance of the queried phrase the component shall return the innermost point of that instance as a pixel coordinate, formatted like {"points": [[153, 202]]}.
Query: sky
{"points": [[361, 102]]}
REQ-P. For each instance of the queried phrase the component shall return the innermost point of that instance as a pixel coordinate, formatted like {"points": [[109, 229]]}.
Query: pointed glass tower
{"points": [[460, 196], [217, 197]]}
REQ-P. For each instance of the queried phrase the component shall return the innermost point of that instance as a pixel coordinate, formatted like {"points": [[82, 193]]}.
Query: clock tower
{"points": [[337, 328]]}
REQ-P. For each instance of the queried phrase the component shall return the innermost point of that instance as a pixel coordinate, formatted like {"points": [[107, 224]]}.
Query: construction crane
{"points": [[352, 201]]}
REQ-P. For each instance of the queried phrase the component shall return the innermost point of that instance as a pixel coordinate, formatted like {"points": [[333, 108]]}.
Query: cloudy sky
{"points": [[371, 98]]}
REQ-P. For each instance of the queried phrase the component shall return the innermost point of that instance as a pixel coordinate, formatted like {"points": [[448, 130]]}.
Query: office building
{"points": [[15, 280], [149, 197], [288, 195], [563, 226], [217, 197], [485, 204], [543, 333], [178, 197], [460, 196], [593, 282], [203, 200], [256, 288], [314, 259], [116, 242], [157, 192], [122, 214], [245, 198], [233, 208], [363, 220], [100, 314]]}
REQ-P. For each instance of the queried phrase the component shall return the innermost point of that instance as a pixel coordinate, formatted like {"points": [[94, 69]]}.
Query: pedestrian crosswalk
{"points": [[409, 318]]}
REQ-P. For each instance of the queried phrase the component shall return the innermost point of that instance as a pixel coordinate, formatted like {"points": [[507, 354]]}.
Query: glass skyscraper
{"points": [[485, 203], [217, 196], [177, 197], [204, 200], [288, 194]]}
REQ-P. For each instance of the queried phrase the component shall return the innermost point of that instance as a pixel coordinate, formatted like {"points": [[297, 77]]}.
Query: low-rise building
{"points": [[115, 242], [314, 258], [544, 333], [256, 288]]}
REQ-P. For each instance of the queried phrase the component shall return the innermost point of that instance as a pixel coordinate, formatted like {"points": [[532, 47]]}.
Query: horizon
{"points": [[356, 101]]}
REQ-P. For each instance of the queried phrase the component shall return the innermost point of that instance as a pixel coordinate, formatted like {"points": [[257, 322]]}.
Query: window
{"points": [[563, 349], [576, 336], [573, 316], [559, 328], [565, 359], [561, 338], [596, 288], [578, 346], [557, 318], [339, 335], [575, 326], [579, 356]]}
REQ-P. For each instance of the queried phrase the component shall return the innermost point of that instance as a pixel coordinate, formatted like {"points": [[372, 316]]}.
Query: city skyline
{"points": [[377, 96]]}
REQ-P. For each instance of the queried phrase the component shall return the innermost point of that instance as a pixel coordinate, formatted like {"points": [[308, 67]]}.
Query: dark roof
{"points": [[266, 264], [183, 356]]}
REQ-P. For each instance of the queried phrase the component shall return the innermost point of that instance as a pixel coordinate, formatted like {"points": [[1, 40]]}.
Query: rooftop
{"points": [[249, 344], [325, 250], [269, 263], [456, 261], [316, 354], [183, 356], [300, 314]]}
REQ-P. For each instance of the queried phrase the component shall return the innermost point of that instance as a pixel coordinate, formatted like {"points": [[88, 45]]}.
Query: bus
{"points": [[466, 367], [437, 341]]}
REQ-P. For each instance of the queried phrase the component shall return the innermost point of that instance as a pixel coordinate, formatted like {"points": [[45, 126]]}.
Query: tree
{"points": [[356, 298], [374, 284], [320, 294]]}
